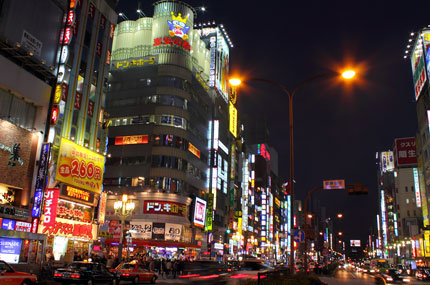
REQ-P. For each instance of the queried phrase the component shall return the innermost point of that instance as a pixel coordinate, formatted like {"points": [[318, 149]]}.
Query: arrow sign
{"points": [[299, 236]]}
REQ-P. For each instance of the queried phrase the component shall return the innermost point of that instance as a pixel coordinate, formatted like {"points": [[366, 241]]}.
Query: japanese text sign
{"points": [[70, 228], [131, 63], [199, 212], [164, 208], [80, 167], [141, 230], [79, 195], [50, 208], [139, 139], [102, 208], [334, 184], [406, 152]]}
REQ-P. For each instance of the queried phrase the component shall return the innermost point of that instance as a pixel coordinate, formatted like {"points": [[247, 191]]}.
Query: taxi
{"points": [[8, 275], [135, 272]]}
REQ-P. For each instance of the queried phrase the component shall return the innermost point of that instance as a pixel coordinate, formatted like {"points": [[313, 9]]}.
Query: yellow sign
{"points": [[277, 202], [233, 119], [193, 150], [427, 243], [57, 96], [129, 63], [80, 167]]}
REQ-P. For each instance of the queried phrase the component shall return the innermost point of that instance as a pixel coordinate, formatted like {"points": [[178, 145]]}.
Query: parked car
{"points": [[394, 276], [82, 272], [135, 272], [8, 275], [422, 274]]}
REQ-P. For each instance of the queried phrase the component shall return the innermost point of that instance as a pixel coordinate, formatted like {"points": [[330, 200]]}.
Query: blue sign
{"points": [[7, 224], [428, 62], [10, 246], [299, 236], [40, 179]]}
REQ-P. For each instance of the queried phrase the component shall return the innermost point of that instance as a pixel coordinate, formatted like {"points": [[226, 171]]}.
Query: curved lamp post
{"points": [[348, 74], [123, 208]]}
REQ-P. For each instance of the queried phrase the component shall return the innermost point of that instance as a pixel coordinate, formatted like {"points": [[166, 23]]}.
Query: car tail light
{"points": [[75, 276], [189, 276], [261, 277], [238, 276], [58, 275], [424, 276], [209, 276], [125, 274]]}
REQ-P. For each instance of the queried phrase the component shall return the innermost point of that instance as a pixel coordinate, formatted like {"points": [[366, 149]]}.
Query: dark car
{"points": [[84, 273], [394, 276], [204, 272], [134, 271], [423, 274]]}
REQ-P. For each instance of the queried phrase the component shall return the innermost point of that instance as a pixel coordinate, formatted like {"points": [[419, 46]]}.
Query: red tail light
{"points": [[125, 274], [209, 276], [75, 276], [261, 277], [58, 275], [237, 276], [189, 276]]}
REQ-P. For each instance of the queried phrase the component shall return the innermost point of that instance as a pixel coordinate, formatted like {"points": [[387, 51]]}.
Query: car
{"points": [[422, 274], [205, 272], [250, 270], [394, 276], [134, 271], [8, 275], [83, 272]]}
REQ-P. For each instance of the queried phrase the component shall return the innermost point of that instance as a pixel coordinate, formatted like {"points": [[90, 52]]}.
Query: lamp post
{"points": [[348, 74], [123, 208]]}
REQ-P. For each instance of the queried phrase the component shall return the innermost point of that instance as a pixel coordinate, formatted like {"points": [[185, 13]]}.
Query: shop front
{"points": [[159, 227]]}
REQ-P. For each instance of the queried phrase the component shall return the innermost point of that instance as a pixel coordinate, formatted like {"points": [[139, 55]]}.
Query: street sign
{"points": [[299, 236], [334, 184], [325, 251]]}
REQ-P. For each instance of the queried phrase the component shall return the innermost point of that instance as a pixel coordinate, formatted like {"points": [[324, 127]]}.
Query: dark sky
{"points": [[338, 127]]}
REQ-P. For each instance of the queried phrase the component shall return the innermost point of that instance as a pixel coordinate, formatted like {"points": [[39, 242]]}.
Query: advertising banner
{"points": [[406, 152], [173, 232], [158, 230], [233, 120], [126, 140], [141, 230], [7, 224], [73, 211], [209, 212], [199, 212], [355, 243], [10, 250], [387, 161], [68, 228], [164, 208], [80, 167], [77, 195], [40, 178], [102, 208], [115, 229], [50, 209]]}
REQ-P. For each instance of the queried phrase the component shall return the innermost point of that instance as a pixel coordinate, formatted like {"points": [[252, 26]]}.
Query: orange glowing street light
{"points": [[340, 216], [348, 74], [340, 233]]}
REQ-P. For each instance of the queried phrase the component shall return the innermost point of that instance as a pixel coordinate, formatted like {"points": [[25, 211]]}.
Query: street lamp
{"points": [[340, 216], [348, 74], [123, 208]]}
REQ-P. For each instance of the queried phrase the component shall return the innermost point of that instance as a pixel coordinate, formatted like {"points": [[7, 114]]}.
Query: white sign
{"points": [[417, 188], [141, 230], [334, 184], [30, 43], [218, 245], [173, 232]]}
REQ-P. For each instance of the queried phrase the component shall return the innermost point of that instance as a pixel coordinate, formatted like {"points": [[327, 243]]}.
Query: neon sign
{"points": [[178, 26]]}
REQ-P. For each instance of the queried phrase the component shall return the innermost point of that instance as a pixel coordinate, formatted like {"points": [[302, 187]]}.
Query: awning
{"points": [[159, 243]]}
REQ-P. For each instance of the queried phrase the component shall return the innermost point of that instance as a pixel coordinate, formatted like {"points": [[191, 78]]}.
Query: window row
{"points": [[165, 100], [166, 120], [166, 183], [172, 162], [166, 81]]}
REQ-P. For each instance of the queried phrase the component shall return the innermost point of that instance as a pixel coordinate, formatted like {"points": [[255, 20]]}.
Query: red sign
{"points": [[34, 226], [54, 115], [164, 208], [71, 18], [140, 139], [65, 37], [171, 41], [405, 151], [78, 230], [64, 90], [23, 226], [90, 108], [50, 209], [78, 100]]}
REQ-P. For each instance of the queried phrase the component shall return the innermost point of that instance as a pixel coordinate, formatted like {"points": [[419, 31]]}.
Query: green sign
{"points": [[209, 212]]}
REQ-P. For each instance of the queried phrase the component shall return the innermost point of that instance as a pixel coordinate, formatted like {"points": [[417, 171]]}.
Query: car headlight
{"points": [[389, 279], [406, 280]]}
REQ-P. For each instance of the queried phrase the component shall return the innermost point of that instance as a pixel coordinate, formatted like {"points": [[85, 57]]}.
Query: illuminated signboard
{"points": [[40, 179], [387, 161], [209, 212], [73, 211], [10, 250], [199, 212], [355, 243], [193, 150], [168, 41], [417, 188], [384, 219], [140, 139], [178, 26], [164, 208], [263, 151], [78, 195], [7, 224], [23, 226], [334, 184], [132, 63], [233, 120], [102, 208], [80, 167], [69, 228], [50, 209], [406, 152]]}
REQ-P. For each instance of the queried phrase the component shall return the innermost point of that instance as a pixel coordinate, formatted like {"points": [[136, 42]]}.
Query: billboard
{"points": [[50, 208], [418, 59], [405, 151], [80, 167], [233, 119], [164, 208], [355, 243], [199, 212], [387, 161], [10, 250]]}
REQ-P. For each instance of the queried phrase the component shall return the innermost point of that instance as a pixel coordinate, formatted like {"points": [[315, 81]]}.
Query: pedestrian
{"points": [[168, 267], [163, 268], [175, 268]]}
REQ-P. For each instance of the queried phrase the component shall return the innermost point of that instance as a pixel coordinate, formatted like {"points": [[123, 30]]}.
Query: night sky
{"points": [[338, 127]]}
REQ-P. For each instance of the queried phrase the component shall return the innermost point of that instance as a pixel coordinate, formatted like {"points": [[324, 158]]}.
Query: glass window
{"points": [[406, 188], [407, 201]]}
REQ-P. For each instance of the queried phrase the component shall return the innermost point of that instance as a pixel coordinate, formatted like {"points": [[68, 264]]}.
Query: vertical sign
{"points": [[50, 209], [209, 212], [102, 208], [40, 179], [417, 188]]}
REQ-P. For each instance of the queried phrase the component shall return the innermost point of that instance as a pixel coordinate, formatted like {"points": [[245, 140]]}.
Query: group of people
{"points": [[166, 268]]}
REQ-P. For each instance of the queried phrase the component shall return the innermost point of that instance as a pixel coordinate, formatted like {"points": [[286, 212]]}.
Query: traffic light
{"points": [[357, 189]]}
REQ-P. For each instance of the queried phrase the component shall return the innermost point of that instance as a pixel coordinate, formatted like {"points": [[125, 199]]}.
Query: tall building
{"points": [[169, 144], [27, 80]]}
